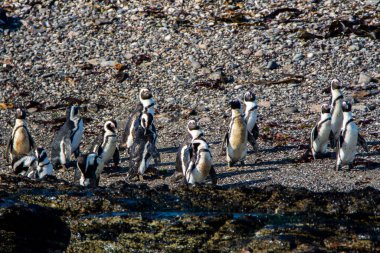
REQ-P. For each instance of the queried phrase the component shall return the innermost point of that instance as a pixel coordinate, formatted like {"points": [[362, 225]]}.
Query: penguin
{"points": [[24, 164], [108, 148], [67, 140], [321, 133], [348, 139], [250, 117], [20, 142], [90, 166], [199, 166], [336, 109], [143, 148], [44, 167], [183, 153], [235, 140], [146, 102]]}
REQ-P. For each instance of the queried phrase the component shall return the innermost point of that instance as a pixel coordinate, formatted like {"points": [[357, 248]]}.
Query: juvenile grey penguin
{"points": [[143, 148], [24, 164], [91, 166], [108, 148], [20, 142], [336, 109], [250, 117], [348, 139], [321, 134], [43, 166], [67, 140], [199, 166], [146, 103], [235, 140]]}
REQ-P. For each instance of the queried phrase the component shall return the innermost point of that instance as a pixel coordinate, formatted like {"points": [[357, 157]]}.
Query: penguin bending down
{"points": [[91, 166], [146, 104], [235, 140], [67, 140], [336, 109], [199, 165], [143, 148], [321, 133], [44, 167], [348, 139], [20, 142], [250, 117], [24, 164], [108, 149]]}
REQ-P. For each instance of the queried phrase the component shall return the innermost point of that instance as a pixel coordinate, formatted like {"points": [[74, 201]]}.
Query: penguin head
{"points": [[335, 84], [110, 125], [235, 104], [199, 144], [72, 112], [146, 121], [249, 96], [20, 113], [145, 94], [41, 154], [325, 108], [346, 106], [192, 125]]}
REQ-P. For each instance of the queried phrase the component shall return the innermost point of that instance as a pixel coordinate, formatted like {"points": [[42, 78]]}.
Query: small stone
{"points": [[364, 78], [290, 110], [194, 63], [246, 51], [202, 46], [298, 57], [310, 55], [259, 53], [217, 75], [354, 48], [238, 86], [272, 65], [168, 37]]}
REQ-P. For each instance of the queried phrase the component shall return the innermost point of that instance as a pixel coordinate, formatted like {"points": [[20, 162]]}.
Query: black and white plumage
{"points": [[183, 154], [198, 166], [348, 139], [20, 142], [90, 166], [321, 134], [250, 117], [24, 164], [67, 140], [235, 140], [143, 148], [336, 109], [146, 103], [108, 148], [43, 166]]}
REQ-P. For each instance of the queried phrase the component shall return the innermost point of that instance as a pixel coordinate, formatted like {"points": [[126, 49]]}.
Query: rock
{"points": [[238, 87], [360, 107], [355, 47], [217, 75], [272, 65], [259, 53], [298, 57], [194, 63], [290, 110], [246, 51], [364, 78], [108, 63]]}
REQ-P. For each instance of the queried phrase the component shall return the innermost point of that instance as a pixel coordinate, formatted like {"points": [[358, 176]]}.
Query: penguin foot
{"points": [[338, 167], [230, 164], [350, 166]]}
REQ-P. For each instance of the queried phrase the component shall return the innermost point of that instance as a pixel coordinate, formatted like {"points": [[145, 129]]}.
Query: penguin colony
{"points": [[336, 129]]}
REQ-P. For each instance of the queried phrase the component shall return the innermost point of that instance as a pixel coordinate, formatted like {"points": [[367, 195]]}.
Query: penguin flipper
{"points": [[225, 143], [31, 141], [9, 148], [213, 176], [255, 131], [116, 157], [332, 139], [362, 142]]}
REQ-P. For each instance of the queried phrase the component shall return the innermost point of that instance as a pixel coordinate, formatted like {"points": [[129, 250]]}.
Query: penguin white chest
{"points": [[337, 119], [77, 135], [347, 151], [320, 143], [237, 148], [21, 143], [145, 159], [109, 149], [251, 118]]}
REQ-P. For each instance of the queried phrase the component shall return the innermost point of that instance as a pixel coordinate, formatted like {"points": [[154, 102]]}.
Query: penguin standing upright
{"points": [[199, 165], [146, 102], [336, 109], [91, 166], [44, 167], [108, 149], [67, 140], [143, 148], [235, 140], [20, 142], [348, 139], [250, 117], [321, 133]]}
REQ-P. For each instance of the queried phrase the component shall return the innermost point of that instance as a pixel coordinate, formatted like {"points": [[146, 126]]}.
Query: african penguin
{"points": [[44, 167], [199, 165], [24, 164], [348, 139], [143, 148], [91, 166], [183, 154], [67, 140], [321, 133], [336, 109], [235, 140], [108, 149], [146, 103], [250, 117], [20, 142]]}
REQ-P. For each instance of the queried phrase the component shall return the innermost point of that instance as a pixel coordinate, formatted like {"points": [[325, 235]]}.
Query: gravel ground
{"points": [[195, 57]]}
